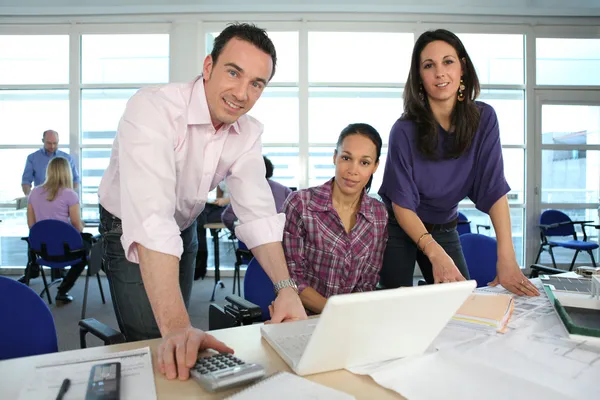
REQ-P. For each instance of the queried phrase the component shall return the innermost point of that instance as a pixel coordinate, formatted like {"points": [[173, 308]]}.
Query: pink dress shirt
{"points": [[165, 159]]}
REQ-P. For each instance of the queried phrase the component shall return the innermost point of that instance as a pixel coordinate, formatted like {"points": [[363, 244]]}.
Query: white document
{"points": [[290, 387], [534, 359], [137, 376]]}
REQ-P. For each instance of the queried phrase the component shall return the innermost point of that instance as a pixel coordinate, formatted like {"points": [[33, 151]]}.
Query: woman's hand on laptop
{"points": [[286, 307]]}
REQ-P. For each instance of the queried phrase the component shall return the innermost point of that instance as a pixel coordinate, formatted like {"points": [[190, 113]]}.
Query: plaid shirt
{"points": [[320, 253]]}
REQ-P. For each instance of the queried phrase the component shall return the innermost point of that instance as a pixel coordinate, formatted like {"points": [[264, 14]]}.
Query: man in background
{"points": [[35, 167]]}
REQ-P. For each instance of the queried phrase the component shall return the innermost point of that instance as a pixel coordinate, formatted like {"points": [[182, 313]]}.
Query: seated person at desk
{"points": [[211, 214], [280, 193], [56, 199], [335, 234]]}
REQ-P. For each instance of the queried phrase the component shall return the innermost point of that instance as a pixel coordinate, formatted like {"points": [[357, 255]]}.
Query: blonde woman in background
{"points": [[56, 199]]}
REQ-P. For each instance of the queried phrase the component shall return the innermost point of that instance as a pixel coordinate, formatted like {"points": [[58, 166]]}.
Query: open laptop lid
{"points": [[361, 328]]}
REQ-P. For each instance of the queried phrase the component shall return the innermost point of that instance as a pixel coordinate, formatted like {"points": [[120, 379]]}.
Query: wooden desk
{"points": [[245, 340]]}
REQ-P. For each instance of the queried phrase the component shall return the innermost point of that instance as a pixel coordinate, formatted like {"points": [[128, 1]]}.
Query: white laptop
{"points": [[361, 328]]}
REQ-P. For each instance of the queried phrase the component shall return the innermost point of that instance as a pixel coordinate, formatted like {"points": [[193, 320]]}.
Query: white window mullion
{"points": [[303, 145], [75, 101]]}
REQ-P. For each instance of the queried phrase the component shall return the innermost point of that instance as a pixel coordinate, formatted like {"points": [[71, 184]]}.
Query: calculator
{"points": [[223, 371]]}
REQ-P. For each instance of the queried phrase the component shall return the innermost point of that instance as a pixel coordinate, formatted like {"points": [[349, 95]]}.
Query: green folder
{"points": [[577, 320]]}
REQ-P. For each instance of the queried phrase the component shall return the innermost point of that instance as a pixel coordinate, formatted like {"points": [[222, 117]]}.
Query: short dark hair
{"points": [[249, 33], [269, 167], [367, 131], [464, 117]]}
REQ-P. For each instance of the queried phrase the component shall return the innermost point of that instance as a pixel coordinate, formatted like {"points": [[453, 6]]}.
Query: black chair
{"points": [[557, 223], [536, 270]]}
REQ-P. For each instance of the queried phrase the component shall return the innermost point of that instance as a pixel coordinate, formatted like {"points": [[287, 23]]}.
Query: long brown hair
{"points": [[58, 176], [465, 115]]}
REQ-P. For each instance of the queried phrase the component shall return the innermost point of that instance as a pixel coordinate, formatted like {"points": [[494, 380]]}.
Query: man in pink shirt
{"points": [[174, 144]]}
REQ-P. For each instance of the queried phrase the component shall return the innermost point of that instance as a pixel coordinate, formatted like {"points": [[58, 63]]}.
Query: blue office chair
{"points": [[258, 288], [481, 254], [27, 326], [557, 223], [243, 256], [464, 225], [58, 244]]}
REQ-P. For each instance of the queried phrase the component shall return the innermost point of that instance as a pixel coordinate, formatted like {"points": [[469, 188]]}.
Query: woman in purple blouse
{"points": [[56, 199], [335, 233], [445, 147]]}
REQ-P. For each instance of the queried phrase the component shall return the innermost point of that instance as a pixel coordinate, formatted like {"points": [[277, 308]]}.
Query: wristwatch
{"points": [[283, 284]]}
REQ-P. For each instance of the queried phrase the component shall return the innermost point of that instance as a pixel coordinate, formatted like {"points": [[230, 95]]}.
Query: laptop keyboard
{"points": [[294, 346]]}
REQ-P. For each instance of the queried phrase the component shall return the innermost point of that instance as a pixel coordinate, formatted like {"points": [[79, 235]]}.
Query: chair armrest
{"points": [[536, 269], [102, 331], [486, 227], [242, 309]]}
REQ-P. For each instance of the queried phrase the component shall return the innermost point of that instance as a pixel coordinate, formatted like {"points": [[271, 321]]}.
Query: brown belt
{"points": [[448, 226]]}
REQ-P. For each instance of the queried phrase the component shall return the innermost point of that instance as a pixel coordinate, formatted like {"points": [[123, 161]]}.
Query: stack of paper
{"points": [[486, 310]]}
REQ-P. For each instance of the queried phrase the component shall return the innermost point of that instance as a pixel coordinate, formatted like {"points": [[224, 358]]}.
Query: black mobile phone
{"points": [[104, 382]]}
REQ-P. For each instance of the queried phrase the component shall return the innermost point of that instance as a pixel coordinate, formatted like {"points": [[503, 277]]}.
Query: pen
{"points": [[63, 388]]}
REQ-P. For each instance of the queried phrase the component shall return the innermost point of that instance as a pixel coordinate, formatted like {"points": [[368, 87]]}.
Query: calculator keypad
{"points": [[216, 363]]}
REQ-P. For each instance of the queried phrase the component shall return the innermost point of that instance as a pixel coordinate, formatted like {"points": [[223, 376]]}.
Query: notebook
{"points": [[290, 387], [486, 310]]}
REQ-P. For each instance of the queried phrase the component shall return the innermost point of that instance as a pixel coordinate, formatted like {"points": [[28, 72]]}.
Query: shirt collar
{"points": [[321, 201], [198, 113], [47, 153]]}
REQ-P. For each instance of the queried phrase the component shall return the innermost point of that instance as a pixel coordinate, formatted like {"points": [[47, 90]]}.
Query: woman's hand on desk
{"points": [[178, 351], [512, 279]]}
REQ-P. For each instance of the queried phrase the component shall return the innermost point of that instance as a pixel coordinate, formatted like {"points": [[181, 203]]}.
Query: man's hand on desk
{"points": [[512, 279], [286, 307], [178, 351]]}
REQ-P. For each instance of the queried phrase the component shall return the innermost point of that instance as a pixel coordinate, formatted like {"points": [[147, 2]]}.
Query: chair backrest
{"points": [[95, 261], [549, 217], [53, 238], [464, 225], [244, 251], [26, 324], [481, 254], [258, 288]]}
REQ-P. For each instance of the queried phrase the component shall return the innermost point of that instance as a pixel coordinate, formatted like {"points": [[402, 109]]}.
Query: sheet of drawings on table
{"points": [[534, 356]]}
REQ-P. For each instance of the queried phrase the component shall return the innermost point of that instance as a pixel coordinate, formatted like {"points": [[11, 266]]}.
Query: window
{"points": [[570, 167], [126, 58], [332, 109], [277, 110], [509, 106], [34, 59], [375, 57], [26, 114], [498, 59], [101, 110], [567, 61]]}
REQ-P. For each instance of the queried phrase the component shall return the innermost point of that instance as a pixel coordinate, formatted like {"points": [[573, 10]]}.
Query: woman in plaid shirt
{"points": [[335, 233]]}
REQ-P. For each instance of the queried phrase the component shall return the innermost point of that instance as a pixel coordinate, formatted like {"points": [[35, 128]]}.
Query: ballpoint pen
{"points": [[63, 388]]}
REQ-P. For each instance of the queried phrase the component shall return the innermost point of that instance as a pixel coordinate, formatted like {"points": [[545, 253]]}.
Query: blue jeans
{"points": [[132, 307], [401, 253]]}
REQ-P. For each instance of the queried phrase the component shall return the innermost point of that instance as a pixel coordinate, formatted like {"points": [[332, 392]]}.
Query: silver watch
{"points": [[283, 284]]}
